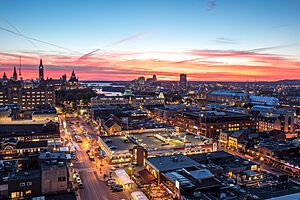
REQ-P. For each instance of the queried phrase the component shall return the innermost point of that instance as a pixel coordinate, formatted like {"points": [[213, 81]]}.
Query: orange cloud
{"points": [[206, 65]]}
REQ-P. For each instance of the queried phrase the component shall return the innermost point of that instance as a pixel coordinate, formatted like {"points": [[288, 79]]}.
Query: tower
{"points": [[73, 77], [20, 74], [4, 77], [15, 75], [73, 81], [154, 78], [183, 80], [41, 70]]}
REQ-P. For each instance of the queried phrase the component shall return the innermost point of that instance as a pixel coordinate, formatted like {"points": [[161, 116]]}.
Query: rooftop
{"points": [[27, 129], [25, 174], [117, 142], [229, 93], [171, 163], [201, 174], [269, 192], [156, 141], [52, 156]]}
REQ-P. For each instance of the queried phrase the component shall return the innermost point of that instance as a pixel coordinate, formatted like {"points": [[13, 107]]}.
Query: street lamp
{"points": [[130, 171]]}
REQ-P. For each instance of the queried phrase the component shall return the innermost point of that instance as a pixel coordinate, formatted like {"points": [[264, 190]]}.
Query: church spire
{"points": [[15, 75], [4, 77], [41, 70], [73, 77]]}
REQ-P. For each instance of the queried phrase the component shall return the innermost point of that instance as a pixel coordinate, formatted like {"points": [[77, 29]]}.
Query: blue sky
{"points": [[171, 25]]}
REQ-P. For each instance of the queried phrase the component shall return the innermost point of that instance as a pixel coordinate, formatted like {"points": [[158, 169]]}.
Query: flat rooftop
{"points": [[118, 142], [221, 159], [164, 140], [171, 163], [268, 192], [25, 121], [154, 141], [52, 156], [26, 174]]}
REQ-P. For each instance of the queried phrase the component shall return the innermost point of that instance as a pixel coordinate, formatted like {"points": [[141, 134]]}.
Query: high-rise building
{"points": [[14, 92], [41, 70], [154, 78], [183, 80]]}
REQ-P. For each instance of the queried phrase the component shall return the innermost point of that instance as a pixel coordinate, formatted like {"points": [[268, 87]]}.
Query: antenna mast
{"points": [[20, 74]]}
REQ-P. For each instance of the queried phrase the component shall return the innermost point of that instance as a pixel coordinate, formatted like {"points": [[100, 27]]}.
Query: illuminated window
{"points": [[28, 192]]}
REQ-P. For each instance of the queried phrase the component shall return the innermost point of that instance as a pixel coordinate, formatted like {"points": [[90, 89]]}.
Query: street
{"points": [[94, 185]]}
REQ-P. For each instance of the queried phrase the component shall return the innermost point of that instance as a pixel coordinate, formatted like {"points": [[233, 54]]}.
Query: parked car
{"points": [[76, 175], [78, 180], [91, 157], [115, 186], [111, 182], [117, 189], [80, 184]]}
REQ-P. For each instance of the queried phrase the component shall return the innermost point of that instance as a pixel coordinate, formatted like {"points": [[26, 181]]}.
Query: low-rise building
{"points": [[148, 100], [111, 127], [235, 139], [134, 100], [102, 100], [54, 176], [24, 184], [120, 149], [182, 175], [27, 137], [269, 119], [211, 123], [229, 97], [168, 113]]}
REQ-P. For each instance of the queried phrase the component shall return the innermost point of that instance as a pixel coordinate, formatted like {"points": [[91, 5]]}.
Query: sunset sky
{"points": [[210, 40]]}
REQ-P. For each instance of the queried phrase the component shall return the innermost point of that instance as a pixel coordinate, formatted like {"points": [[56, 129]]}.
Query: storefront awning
{"points": [[147, 176], [123, 177], [138, 195]]}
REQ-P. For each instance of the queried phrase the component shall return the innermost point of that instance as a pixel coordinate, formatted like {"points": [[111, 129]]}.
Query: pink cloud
{"points": [[216, 65]]}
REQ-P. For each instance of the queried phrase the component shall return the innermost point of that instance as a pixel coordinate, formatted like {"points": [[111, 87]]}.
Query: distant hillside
{"points": [[297, 81]]}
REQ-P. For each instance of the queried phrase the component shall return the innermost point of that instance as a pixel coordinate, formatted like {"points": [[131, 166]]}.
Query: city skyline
{"points": [[208, 40]]}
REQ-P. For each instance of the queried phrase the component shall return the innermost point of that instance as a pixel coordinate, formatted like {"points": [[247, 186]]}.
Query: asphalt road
{"points": [[94, 186]]}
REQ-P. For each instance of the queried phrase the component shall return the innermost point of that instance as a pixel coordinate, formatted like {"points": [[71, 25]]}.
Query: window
{"points": [[15, 195], [22, 184], [28, 192], [60, 179]]}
